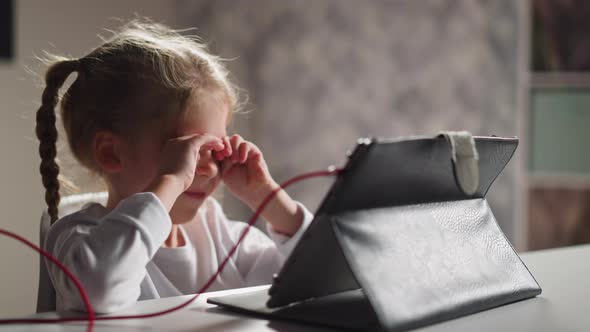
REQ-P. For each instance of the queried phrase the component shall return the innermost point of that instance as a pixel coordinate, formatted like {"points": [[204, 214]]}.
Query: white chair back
{"points": [[68, 205]]}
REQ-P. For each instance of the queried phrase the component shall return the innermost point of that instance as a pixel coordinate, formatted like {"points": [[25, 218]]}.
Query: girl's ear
{"points": [[107, 152]]}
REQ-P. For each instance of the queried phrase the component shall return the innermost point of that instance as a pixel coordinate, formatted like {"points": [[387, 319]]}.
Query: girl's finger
{"points": [[196, 138], [236, 141], [207, 142], [256, 164], [243, 152], [255, 155], [212, 145], [228, 149], [219, 155]]}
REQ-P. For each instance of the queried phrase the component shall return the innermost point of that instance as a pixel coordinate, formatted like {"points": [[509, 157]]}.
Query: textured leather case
{"points": [[398, 243]]}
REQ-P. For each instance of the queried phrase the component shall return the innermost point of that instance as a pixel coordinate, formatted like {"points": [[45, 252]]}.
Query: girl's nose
{"points": [[207, 166]]}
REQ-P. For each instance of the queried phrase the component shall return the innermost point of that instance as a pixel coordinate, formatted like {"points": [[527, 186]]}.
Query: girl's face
{"points": [[143, 166]]}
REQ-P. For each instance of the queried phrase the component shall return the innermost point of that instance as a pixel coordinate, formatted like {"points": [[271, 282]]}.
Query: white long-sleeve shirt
{"points": [[119, 258]]}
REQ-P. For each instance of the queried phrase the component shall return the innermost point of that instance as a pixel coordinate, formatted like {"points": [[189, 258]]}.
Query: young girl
{"points": [[148, 111]]}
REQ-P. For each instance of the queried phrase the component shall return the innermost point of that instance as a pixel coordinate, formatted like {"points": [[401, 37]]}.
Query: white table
{"points": [[564, 306]]}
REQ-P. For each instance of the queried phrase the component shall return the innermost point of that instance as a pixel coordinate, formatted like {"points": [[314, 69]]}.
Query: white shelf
{"points": [[550, 80], [576, 181]]}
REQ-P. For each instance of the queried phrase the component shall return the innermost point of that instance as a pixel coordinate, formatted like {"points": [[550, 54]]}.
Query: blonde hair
{"points": [[140, 79]]}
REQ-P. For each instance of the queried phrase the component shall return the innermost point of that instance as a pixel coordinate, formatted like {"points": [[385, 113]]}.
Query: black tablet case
{"points": [[397, 244]]}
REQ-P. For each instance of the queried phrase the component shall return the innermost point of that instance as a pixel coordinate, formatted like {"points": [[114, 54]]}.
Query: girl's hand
{"points": [[244, 170], [180, 156], [179, 162], [246, 175]]}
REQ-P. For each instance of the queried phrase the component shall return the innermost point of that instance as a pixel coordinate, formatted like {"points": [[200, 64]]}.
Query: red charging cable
{"points": [[91, 317]]}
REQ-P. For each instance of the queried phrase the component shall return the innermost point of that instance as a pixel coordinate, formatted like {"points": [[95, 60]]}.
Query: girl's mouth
{"points": [[195, 194]]}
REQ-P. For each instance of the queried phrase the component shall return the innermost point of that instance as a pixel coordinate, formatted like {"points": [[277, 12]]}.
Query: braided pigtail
{"points": [[46, 131]]}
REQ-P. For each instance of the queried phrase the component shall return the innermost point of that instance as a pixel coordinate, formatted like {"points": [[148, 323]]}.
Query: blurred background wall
{"points": [[319, 74]]}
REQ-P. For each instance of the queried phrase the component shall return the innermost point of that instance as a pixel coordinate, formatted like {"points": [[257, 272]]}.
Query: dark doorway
{"points": [[6, 29]]}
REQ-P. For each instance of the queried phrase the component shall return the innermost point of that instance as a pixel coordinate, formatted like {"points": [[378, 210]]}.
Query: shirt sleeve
{"points": [[284, 243], [109, 254]]}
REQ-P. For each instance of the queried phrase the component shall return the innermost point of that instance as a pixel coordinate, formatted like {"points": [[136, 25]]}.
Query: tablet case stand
{"points": [[405, 238]]}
